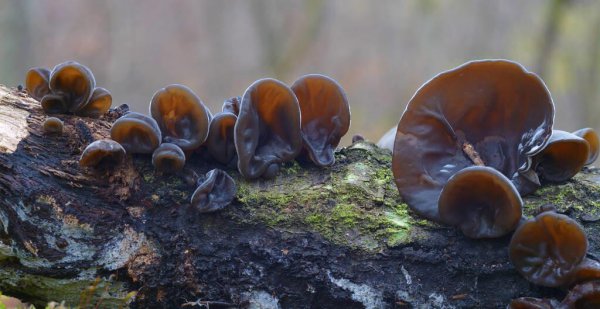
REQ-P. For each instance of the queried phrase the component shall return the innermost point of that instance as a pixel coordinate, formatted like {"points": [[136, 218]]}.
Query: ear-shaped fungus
{"points": [[215, 192], [71, 86], [481, 201], [102, 153], [220, 139], [53, 125], [583, 296], [137, 133], [182, 117], [325, 116], [547, 249], [590, 136], [267, 132], [37, 82], [232, 105], [490, 112], [562, 158], [168, 158], [533, 303], [97, 105]]}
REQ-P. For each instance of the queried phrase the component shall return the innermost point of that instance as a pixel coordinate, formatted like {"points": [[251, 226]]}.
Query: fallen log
{"points": [[338, 237]]}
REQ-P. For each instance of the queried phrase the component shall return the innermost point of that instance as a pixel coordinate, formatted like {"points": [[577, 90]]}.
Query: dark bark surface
{"points": [[311, 238]]}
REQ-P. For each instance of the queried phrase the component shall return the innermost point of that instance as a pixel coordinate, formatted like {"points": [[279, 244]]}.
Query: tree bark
{"points": [[339, 237]]}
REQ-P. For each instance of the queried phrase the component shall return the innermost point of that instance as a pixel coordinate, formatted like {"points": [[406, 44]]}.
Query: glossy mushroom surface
{"points": [[232, 105], [182, 117], [590, 136], [325, 116], [499, 110], [220, 141], [168, 158], [53, 125], [37, 82], [267, 131], [563, 157], [533, 303], [214, 193], [547, 249], [102, 153], [481, 201], [73, 83], [137, 133], [97, 105], [583, 296]]}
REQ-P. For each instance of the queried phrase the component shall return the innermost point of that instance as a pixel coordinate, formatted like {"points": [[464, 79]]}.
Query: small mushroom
{"points": [[137, 133], [489, 112], [182, 117], [232, 105], [71, 85], [37, 82], [590, 136], [547, 249], [220, 141], [102, 153], [562, 158], [97, 105], [53, 125], [533, 303], [168, 158], [325, 116], [267, 132], [481, 201], [583, 296], [585, 271], [215, 192]]}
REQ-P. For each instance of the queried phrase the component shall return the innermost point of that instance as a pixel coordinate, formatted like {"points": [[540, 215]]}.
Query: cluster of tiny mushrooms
{"points": [[470, 143]]}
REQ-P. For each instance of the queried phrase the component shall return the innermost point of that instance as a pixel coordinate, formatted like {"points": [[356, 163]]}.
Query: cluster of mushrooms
{"points": [[476, 138], [268, 126]]}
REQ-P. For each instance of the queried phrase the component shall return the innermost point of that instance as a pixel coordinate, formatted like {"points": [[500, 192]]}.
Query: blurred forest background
{"points": [[380, 51]]}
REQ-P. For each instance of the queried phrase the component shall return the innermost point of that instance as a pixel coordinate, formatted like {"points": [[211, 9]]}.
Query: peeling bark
{"points": [[310, 238]]}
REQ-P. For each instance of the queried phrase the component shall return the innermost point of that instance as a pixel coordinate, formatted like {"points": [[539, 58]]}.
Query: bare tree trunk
{"points": [[311, 238]]}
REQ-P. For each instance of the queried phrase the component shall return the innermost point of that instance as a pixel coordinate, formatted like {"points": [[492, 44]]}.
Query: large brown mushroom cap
{"points": [[137, 133], [562, 158], [102, 153], [37, 82], [168, 158], [98, 104], [267, 132], [325, 116], [481, 201], [220, 141], [504, 112], [182, 117], [590, 136], [74, 83], [215, 192], [547, 249]]}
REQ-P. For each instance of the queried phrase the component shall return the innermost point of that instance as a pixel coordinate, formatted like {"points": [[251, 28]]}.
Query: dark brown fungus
{"points": [[547, 249], [232, 105], [267, 132], [71, 86], [53, 125], [168, 158], [215, 192], [37, 82], [533, 303], [325, 116], [583, 296], [491, 112], [481, 201], [97, 105], [137, 133], [102, 153], [587, 270], [590, 136], [220, 137], [183, 119], [562, 158]]}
